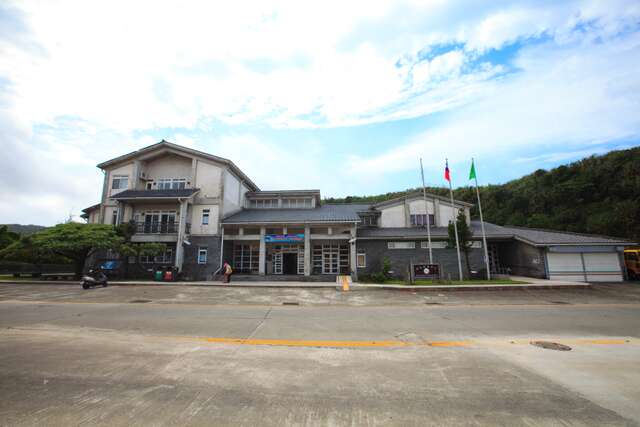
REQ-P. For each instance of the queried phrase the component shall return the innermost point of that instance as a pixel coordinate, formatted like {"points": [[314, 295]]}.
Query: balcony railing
{"points": [[160, 228]]}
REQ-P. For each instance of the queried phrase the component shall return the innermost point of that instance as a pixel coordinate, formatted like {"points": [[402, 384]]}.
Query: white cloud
{"points": [[81, 82], [564, 97], [140, 65]]}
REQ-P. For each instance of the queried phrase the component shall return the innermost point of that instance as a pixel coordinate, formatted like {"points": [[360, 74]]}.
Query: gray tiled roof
{"points": [[154, 194], [531, 235], [324, 213], [549, 237]]}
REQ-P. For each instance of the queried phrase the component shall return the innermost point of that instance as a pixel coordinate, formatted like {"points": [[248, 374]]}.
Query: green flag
{"points": [[472, 172]]}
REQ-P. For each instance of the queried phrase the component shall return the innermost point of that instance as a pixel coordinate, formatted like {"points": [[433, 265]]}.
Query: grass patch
{"points": [[10, 277], [454, 282]]}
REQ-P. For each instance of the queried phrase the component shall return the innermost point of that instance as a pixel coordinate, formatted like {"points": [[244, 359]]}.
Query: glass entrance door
{"points": [[330, 261]]}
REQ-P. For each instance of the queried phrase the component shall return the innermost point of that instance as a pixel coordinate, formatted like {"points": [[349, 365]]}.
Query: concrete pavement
{"points": [[140, 356]]}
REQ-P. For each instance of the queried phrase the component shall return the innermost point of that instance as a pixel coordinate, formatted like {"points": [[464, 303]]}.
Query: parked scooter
{"points": [[94, 278]]}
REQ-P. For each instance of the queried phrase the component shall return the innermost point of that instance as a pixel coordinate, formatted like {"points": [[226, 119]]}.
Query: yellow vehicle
{"points": [[632, 261]]}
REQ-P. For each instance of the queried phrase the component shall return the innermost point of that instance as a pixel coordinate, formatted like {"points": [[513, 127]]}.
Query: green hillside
{"points": [[597, 195], [24, 229]]}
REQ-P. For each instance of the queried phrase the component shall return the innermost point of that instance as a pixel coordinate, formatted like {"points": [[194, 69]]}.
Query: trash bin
{"points": [[157, 276], [168, 275]]}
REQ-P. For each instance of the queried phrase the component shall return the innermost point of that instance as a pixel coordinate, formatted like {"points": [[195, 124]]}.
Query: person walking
{"points": [[227, 271]]}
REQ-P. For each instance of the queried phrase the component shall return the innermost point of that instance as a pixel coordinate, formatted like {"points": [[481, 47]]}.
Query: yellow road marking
{"points": [[330, 343], [308, 343]]}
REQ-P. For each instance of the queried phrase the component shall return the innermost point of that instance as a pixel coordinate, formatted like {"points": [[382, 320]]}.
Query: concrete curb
{"points": [[453, 288], [202, 284], [324, 285]]}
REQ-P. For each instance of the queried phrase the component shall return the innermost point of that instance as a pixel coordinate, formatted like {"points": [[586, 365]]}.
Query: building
{"points": [[207, 211]]}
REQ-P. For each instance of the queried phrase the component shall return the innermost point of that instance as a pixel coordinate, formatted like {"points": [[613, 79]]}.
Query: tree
{"points": [[24, 251], [464, 237], [136, 250], [76, 241]]}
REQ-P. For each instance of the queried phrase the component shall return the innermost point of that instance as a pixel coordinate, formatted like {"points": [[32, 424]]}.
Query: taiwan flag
{"points": [[446, 172]]}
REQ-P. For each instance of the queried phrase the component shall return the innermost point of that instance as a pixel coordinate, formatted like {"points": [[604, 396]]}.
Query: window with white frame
{"points": [[114, 217], [165, 257], [420, 220], [263, 203], [361, 260], [171, 183], [202, 255], [205, 217], [401, 245], [296, 203], [369, 220], [120, 182], [434, 245]]}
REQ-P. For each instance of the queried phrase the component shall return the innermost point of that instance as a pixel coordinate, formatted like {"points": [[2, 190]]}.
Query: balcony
{"points": [[160, 228], [161, 232]]}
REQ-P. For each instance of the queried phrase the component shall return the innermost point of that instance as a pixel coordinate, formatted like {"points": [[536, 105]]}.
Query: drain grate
{"points": [[551, 345], [560, 302], [139, 301], [290, 303], [433, 303]]}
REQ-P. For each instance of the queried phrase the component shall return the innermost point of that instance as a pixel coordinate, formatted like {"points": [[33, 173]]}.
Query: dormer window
{"points": [[263, 204], [296, 203]]}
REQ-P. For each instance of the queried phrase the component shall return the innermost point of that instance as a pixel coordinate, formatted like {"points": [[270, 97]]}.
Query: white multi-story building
{"points": [[206, 211]]}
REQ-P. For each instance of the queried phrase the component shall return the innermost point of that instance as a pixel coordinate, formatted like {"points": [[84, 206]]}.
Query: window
{"points": [[420, 220], [369, 220], [111, 254], [401, 245], [361, 260], [171, 183], [246, 258], [263, 204], [114, 217], [120, 182], [202, 255], [164, 258], [296, 203], [434, 245], [205, 217], [331, 258]]}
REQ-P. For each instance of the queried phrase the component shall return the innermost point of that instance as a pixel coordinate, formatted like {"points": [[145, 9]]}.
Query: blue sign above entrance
{"points": [[284, 238]]}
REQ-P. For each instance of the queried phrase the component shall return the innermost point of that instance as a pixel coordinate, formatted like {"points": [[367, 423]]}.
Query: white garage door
{"points": [[598, 267], [602, 267], [565, 267]]}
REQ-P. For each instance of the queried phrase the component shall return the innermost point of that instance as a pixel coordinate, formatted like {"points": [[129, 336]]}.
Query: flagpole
{"points": [[455, 226], [426, 209], [484, 234]]}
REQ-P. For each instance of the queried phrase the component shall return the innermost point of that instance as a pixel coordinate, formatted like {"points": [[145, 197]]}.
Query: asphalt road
{"points": [[221, 356]]}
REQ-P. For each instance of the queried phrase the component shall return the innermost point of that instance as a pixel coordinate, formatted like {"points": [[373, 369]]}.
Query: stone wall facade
{"points": [[191, 270], [401, 259]]}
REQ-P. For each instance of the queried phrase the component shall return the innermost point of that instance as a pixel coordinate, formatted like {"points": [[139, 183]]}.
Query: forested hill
{"points": [[597, 195], [24, 229]]}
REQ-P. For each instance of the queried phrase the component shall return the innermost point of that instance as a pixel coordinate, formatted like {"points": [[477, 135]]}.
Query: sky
{"points": [[342, 96]]}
